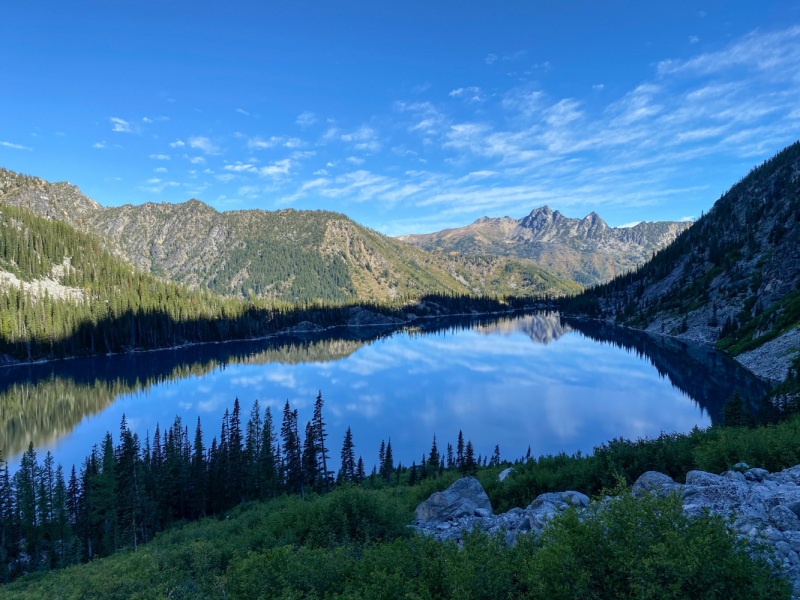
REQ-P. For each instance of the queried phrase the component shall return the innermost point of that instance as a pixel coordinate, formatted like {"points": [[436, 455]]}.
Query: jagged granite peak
{"points": [[287, 254], [586, 250]]}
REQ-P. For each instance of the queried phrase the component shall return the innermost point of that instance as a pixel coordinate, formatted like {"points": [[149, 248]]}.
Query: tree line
{"points": [[124, 493]]}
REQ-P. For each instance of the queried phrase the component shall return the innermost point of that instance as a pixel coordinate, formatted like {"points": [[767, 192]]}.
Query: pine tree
{"points": [[252, 444], [199, 475], [495, 457], [319, 436], [528, 455], [412, 477], [388, 465], [450, 458], [734, 414], [348, 469], [360, 474], [470, 466], [433, 457], [268, 460], [460, 452], [236, 467], [310, 460]]}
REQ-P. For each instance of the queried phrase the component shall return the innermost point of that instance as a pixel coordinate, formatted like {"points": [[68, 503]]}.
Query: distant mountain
{"points": [[732, 279], [585, 250], [287, 254]]}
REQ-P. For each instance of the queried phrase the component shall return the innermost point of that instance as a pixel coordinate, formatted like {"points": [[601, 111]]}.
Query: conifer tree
{"points": [[360, 474], [388, 465], [734, 414], [320, 434], [460, 452], [433, 457], [199, 482], [311, 460], [495, 460], [470, 466], [412, 476], [268, 460], [450, 458], [348, 469]]}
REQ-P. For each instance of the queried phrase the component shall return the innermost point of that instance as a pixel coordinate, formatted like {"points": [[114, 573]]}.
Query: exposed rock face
{"points": [[586, 250], [765, 506], [734, 274], [462, 499], [505, 473]]}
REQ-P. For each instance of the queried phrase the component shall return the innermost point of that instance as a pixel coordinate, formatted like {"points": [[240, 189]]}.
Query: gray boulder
{"points": [[703, 479], [756, 474], [784, 519], [461, 499], [505, 473], [653, 481]]}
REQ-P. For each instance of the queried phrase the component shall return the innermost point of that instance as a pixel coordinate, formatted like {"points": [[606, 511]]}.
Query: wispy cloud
{"points": [[15, 146], [277, 169], [177, 144], [364, 138], [99, 144], [160, 156], [242, 112], [120, 125], [306, 118], [204, 144]]}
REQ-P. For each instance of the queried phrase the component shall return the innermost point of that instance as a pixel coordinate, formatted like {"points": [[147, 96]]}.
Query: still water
{"points": [[531, 380]]}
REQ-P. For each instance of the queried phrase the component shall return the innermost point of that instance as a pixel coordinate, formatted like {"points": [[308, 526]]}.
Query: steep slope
{"points": [[585, 250], [287, 254], [732, 279]]}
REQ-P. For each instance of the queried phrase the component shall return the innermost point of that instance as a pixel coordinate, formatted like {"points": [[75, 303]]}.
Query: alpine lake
{"points": [[517, 381]]}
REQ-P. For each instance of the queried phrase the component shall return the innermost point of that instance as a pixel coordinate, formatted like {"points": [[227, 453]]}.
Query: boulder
{"points": [[756, 474], [560, 500], [784, 519], [703, 479], [505, 473], [653, 481], [461, 499], [741, 466]]}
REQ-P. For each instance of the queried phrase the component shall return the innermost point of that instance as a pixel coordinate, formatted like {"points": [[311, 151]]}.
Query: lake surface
{"points": [[530, 380]]}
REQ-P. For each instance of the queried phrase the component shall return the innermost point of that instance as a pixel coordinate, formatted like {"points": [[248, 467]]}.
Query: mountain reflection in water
{"points": [[480, 374]]}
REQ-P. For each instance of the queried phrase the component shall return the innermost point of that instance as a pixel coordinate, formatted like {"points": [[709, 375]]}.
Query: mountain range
{"points": [[586, 250], [289, 255]]}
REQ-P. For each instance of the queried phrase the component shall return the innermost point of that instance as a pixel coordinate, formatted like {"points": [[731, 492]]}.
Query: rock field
{"points": [[765, 506]]}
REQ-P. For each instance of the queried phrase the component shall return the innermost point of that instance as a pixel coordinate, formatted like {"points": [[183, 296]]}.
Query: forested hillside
{"points": [[65, 294], [732, 279], [287, 255]]}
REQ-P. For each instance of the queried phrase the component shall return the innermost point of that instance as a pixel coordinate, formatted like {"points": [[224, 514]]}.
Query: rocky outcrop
{"points": [[765, 507], [465, 498], [505, 473], [586, 250]]}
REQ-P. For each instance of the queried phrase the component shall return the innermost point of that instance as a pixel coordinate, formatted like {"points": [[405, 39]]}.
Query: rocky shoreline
{"points": [[765, 508]]}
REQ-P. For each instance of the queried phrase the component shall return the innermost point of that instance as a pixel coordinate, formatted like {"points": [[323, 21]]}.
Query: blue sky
{"points": [[408, 117]]}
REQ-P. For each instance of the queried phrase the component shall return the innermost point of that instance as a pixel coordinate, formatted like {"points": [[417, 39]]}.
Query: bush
{"points": [[644, 548]]}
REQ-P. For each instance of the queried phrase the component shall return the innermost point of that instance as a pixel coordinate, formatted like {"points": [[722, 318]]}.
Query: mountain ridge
{"points": [[585, 250], [289, 255], [731, 280]]}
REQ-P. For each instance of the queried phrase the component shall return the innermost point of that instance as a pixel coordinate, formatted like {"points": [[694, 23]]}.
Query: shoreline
{"points": [[289, 330]]}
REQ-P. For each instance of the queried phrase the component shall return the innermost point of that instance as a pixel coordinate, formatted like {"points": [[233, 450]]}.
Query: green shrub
{"points": [[644, 549]]}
